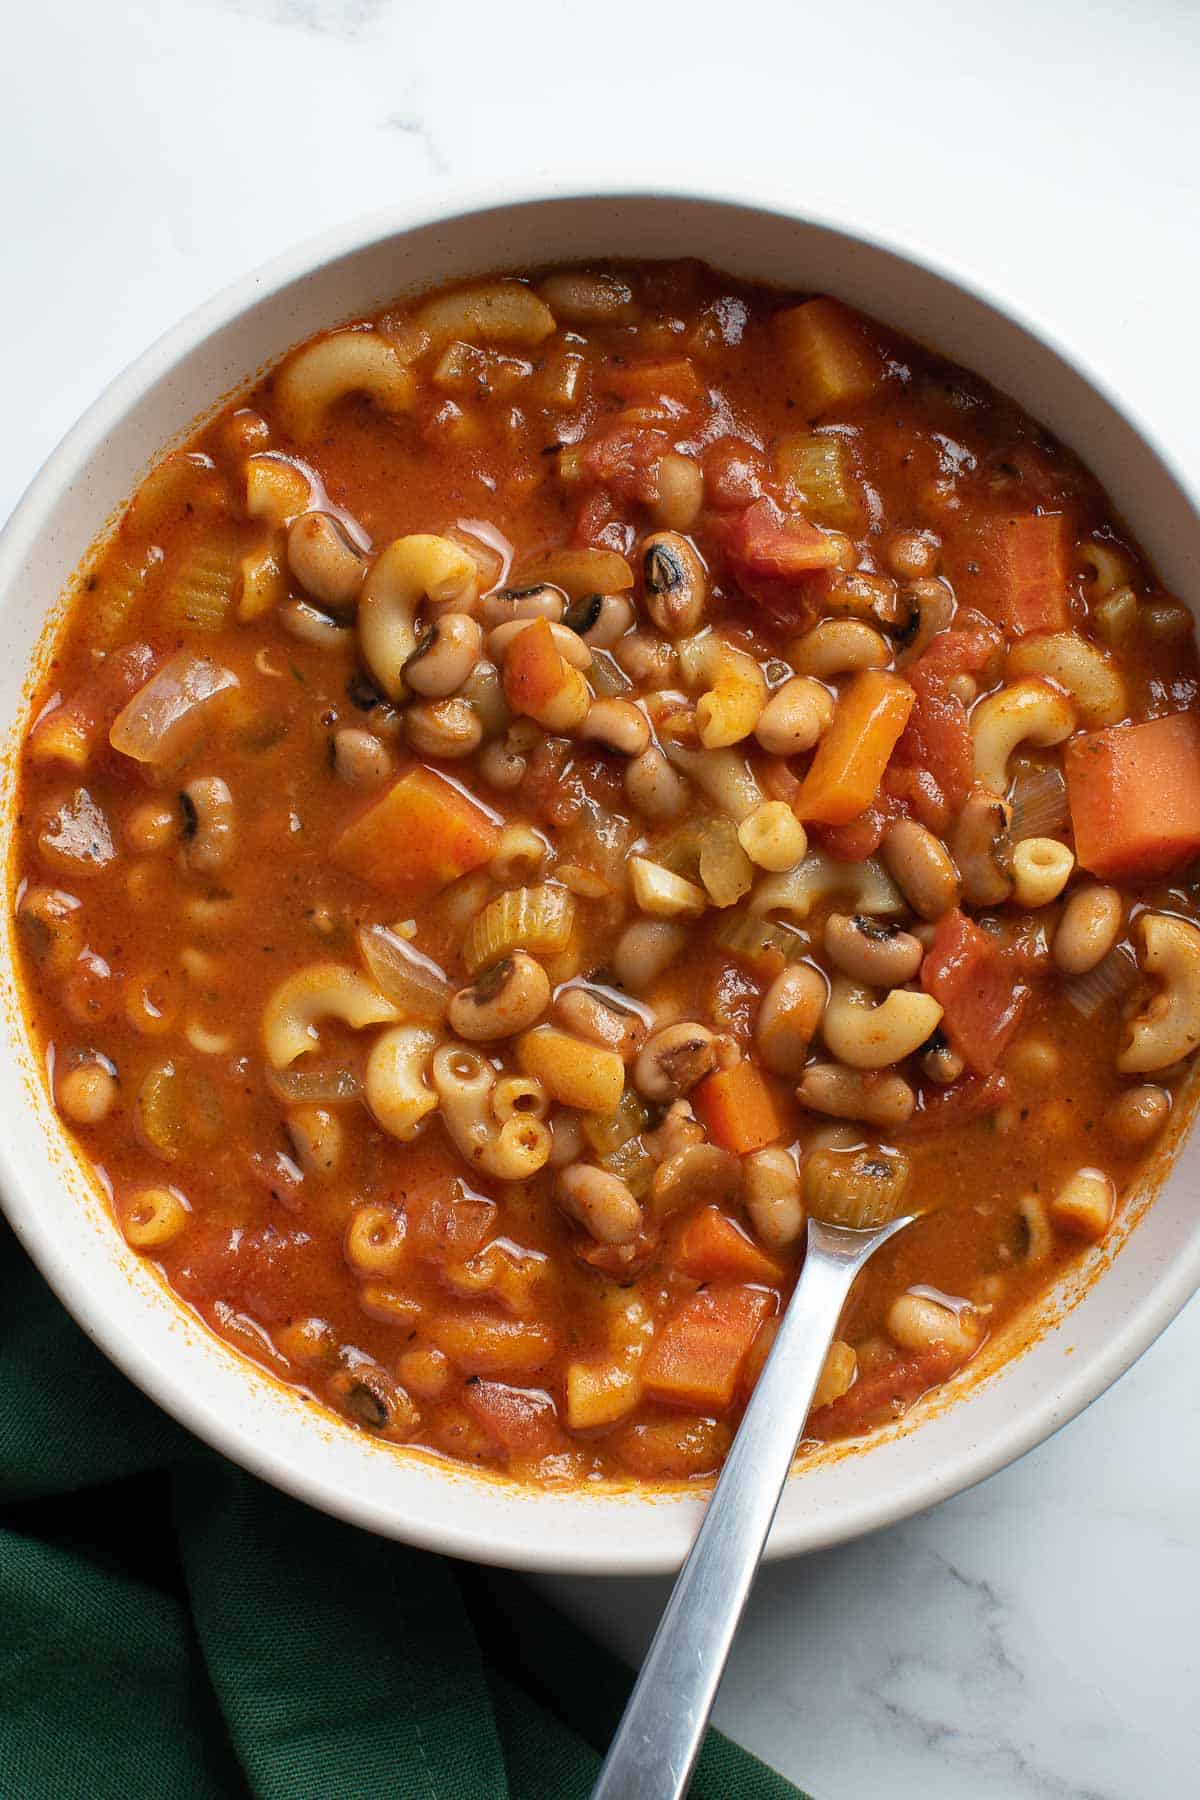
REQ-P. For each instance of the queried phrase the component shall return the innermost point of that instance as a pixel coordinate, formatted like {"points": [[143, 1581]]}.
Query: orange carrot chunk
{"points": [[416, 837], [737, 1108], [1023, 572], [713, 1248], [697, 1357], [532, 668], [832, 361], [1134, 793], [844, 775]]}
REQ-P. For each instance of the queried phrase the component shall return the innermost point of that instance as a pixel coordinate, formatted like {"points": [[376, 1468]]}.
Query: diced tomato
{"points": [[625, 460], [1134, 793], [948, 1108], [445, 1224], [267, 1272], [594, 517], [760, 541], [521, 1422], [1023, 572], [935, 746], [965, 650], [881, 1396], [416, 837], [713, 1248], [735, 474], [697, 1357], [738, 1108], [860, 837], [974, 982], [844, 776]]}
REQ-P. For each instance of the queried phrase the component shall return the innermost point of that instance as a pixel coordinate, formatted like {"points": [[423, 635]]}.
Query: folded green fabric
{"points": [[170, 1627]]}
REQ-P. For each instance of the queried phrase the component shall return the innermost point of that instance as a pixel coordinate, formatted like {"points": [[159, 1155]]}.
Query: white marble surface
{"points": [[1037, 1638]]}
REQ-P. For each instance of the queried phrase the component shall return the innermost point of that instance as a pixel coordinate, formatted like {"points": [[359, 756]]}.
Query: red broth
{"points": [[566, 778]]}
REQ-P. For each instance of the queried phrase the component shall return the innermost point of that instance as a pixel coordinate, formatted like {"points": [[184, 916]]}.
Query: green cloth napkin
{"points": [[169, 1627]]}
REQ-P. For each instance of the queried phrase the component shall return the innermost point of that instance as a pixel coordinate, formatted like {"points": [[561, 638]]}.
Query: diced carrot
{"points": [[521, 1423], [981, 998], [737, 1108], [669, 378], [832, 361], [416, 837], [533, 669], [697, 1357], [844, 775], [1134, 793], [1023, 571], [712, 1248]]}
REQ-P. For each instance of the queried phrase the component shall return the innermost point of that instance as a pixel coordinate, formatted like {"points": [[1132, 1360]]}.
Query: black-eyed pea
{"points": [[674, 584], [360, 759], [1088, 928], [919, 1322], [444, 656], [508, 998], [788, 1018], [601, 1203], [913, 555], [922, 868], [654, 788], [617, 724], [794, 717], [601, 620], [675, 1059], [1140, 1113], [645, 950], [870, 950], [446, 728], [773, 1197], [87, 1093], [324, 560], [150, 826], [680, 492]]}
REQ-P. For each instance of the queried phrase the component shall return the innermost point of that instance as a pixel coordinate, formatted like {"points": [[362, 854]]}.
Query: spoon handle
{"points": [[659, 1737]]}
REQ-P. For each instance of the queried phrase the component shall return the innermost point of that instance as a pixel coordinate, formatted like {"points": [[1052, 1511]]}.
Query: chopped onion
{"points": [[1039, 804], [607, 676], [317, 1087], [413, 981], [1107, 981], [162, 721]]}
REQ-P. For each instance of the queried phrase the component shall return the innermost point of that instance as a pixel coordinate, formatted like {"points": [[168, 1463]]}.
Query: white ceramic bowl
{"points": [[1093, 1329]]}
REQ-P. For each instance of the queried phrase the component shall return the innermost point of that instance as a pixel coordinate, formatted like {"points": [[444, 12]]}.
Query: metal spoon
{"points": [[657, 1742]]}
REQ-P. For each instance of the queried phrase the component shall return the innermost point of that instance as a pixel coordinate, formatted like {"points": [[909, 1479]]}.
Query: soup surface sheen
{"points": [[566, 778]]}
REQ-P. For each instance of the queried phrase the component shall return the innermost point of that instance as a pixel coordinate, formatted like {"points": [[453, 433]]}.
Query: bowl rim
{"points": [[443, 204]]}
